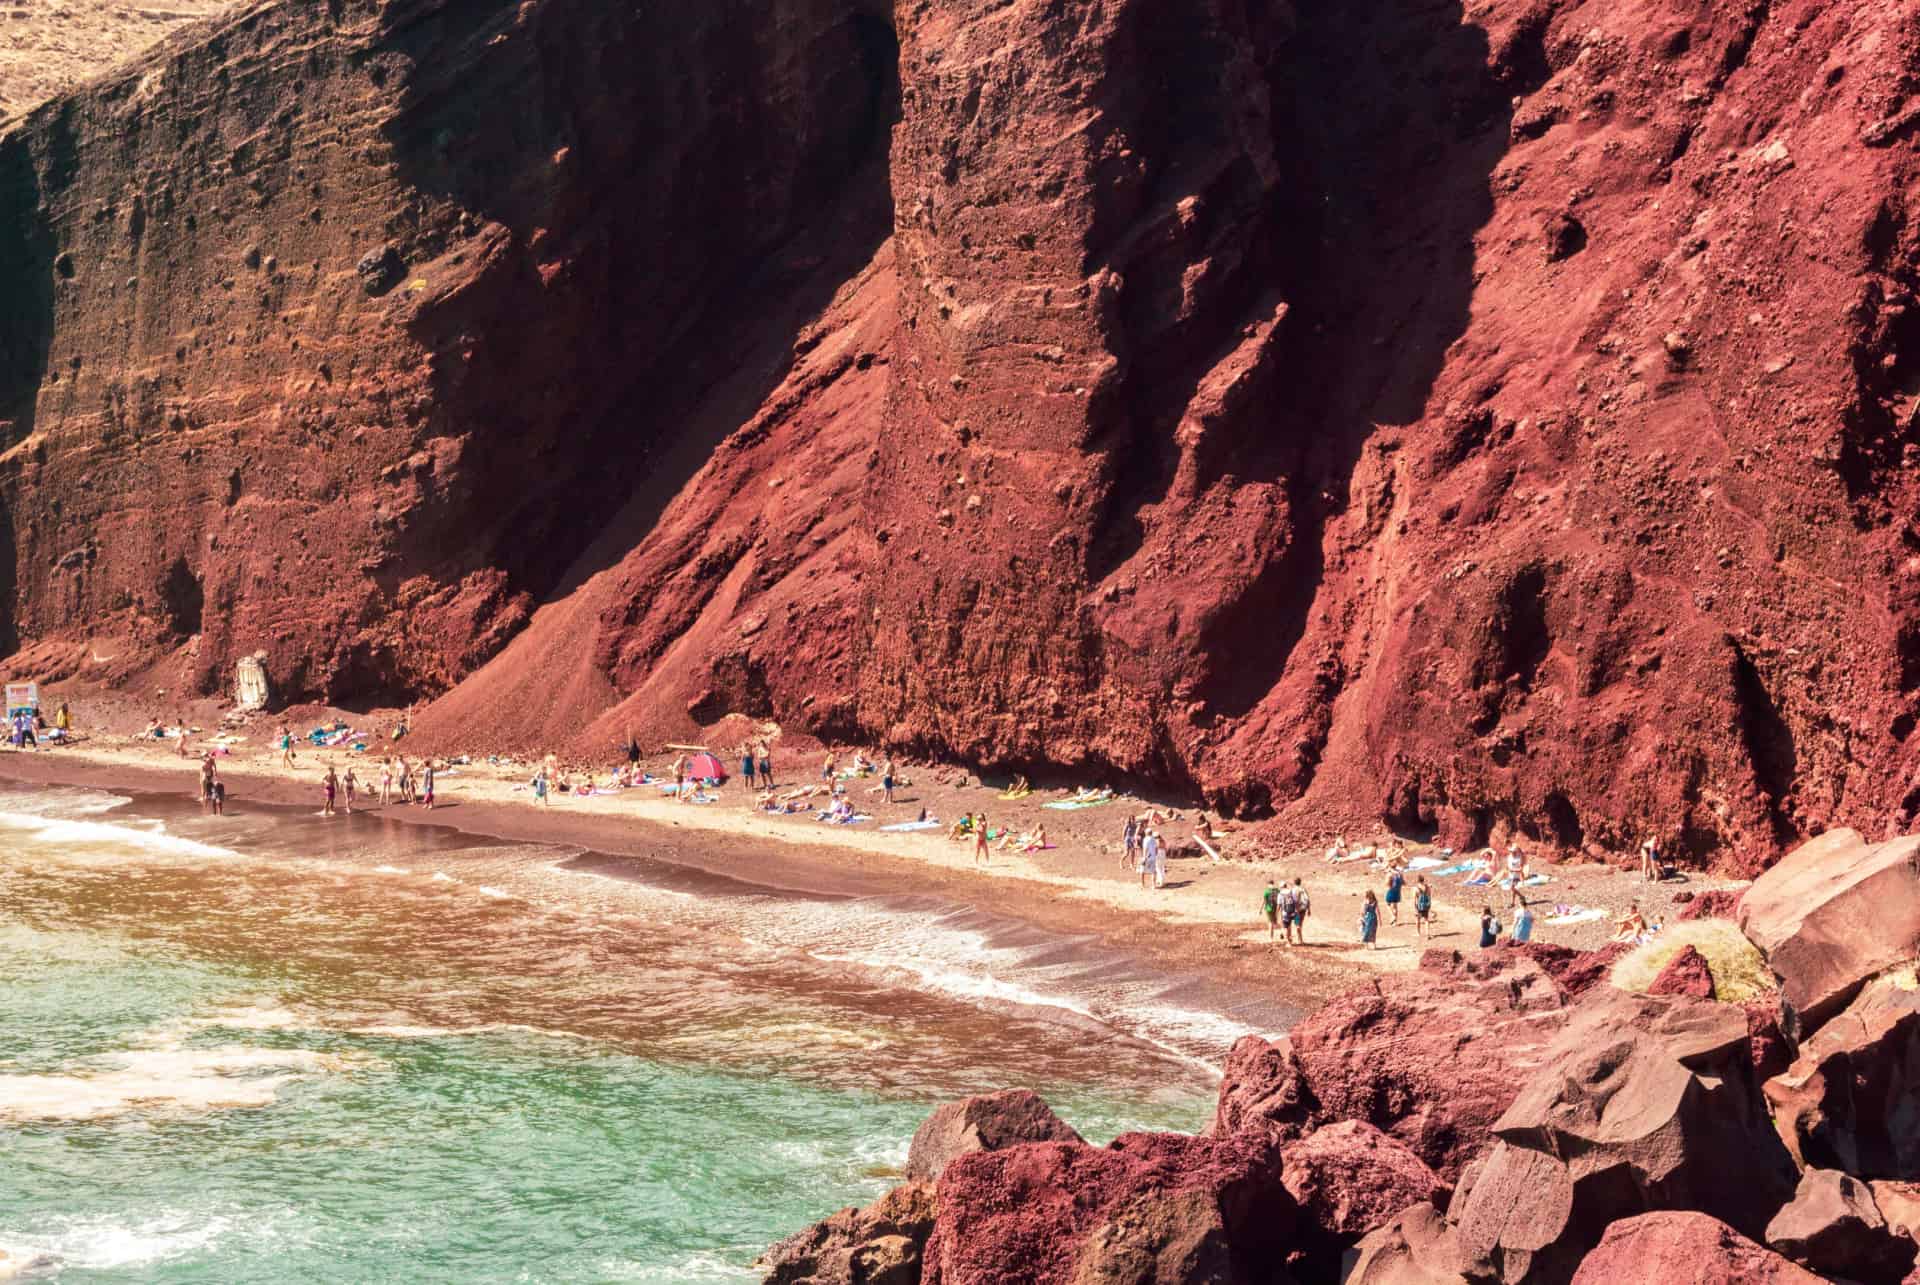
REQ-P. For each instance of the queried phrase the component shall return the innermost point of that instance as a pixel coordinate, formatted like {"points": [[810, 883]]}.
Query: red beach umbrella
{"points": [[705, 767]]}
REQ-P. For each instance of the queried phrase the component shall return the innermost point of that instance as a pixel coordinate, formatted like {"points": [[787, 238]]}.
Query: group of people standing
{"points": [[396, 777], [1144, 849]]}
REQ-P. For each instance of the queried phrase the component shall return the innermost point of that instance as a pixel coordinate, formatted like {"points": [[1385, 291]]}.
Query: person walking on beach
{"points": [[1395, 881], [1153, 856], [426, 783], [329, 788], [1523, 922], [680, 779], [540, 785], [352, 789], [886, 781], [1130, 843], [766, 767], [979, 838], [286, 746], [1422, 907], [1489, 927], [206, 781], [218, 792], [386, 780], [406, 780], [1370, 920], [746, 765], [1289, 911], [1303, 906], [1270, 906]]}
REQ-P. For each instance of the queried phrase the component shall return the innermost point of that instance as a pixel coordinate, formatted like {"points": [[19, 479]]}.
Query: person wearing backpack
{"points": [[1422, 907], [1270, 905], [1302, 907], [1289, 912], [1489, 927]]}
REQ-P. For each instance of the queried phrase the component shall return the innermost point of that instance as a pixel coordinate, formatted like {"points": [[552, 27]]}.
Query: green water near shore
{"points": [[222, 1060]]}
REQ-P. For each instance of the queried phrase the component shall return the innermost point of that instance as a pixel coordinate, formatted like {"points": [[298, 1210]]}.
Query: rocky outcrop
{"points": [[1642, 1104], [1349, 1178], [878, 1245], [1687, 973], [1591, 1131], [1851, 1100], [1407, 415], [1431, 1057], [1152, 1209], [987, 1122], [1832, 1226], [1680, 1246], [1832, 914]]}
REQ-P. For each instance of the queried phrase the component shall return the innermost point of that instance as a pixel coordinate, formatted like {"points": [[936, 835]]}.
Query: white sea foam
{"points": [[123, 1243], [701, 1265], [69, 833], [161, 1074]]}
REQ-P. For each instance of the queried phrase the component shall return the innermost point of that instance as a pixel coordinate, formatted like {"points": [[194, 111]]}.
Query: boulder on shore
{"points": [[1851, 1100], [1431, 1057], [878, 1245], [1152, 1209], [1350, 1178], [1677, 1245], [1263, 1089], [1832, 1226], [1832, 914], [985, 1122], [1643, 1103]]}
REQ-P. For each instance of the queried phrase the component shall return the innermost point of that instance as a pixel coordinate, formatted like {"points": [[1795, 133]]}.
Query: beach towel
{"points": [[1578, 915], [1423, 863], [1480, 880], [1074, 805], [1534, 881], [931, 823], [1460, 868], [1016, 794]]}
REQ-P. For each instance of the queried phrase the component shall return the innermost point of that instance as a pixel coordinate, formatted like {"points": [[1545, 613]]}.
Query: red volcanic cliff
{"points": [[1475, 417]]}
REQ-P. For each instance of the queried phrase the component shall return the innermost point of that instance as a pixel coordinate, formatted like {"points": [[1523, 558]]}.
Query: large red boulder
{"points": [[1433, 1056], [1349, 1178], [1262, 1088], [1152, 1209], [985, 1122], [1642, 1103], [1851, 1100], [1832, 914], [1677, 1246], [878, 1245], [1833, 1226], [1686, 973]]}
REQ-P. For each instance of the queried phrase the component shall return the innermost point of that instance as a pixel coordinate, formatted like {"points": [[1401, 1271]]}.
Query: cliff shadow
{"points": [[28, 268], [1391, 120], [682, 194]]}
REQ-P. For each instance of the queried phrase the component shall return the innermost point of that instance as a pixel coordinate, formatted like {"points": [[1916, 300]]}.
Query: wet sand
{"points": [[1205, 924]]}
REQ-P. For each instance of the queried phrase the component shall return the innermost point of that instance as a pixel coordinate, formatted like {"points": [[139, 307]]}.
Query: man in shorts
{"points": [[1270, 905]]}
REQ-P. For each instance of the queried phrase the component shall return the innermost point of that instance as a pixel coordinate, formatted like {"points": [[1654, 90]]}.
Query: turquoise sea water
{"points": [[273, 1048]]}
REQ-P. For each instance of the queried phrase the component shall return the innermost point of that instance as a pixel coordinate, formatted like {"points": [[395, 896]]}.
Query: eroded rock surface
{"points": [[1346, 412]]}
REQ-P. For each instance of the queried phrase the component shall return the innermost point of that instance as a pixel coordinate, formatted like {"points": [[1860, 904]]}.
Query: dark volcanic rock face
{"points": [[1484, 422]]}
